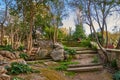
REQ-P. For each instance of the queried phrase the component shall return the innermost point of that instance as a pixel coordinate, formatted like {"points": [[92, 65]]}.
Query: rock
{"points": [[1, 57], [57, 54], [3, 60], [4, 77], [17, 55], [2, 70], [19, 61], [58, 46], [7, 54], [43, 53]]}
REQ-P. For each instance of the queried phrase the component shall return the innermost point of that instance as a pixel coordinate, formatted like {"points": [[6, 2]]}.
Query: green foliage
{"points": [[17, 68], [94, 47], [71, 43], [64, 65], [79, 32], [23, 55], [92, 37], [113, 63], [7, 47], [17, 78], [70, 73], [116, 76], [85, 43], [95, 59], [70, 51], [21, 48]]}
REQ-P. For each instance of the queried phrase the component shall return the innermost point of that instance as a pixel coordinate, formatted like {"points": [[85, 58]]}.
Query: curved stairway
{"points": [[88, 60]]}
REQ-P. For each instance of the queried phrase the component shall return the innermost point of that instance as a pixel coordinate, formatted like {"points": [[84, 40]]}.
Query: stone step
{"points": [[86, 69], [79, 48], [86, 52], [86, 65]]}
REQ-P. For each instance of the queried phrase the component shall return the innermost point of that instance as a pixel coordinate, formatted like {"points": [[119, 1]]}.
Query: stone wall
{"points": [[114, 54]]}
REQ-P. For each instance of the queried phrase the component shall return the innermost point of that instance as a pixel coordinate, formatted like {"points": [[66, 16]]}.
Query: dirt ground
{"points": [[99, 75], [47, 74]]}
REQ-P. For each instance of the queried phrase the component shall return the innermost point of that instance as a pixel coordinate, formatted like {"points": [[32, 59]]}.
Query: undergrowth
{"points": [[64, 65], [116, 76], [17, 68]]}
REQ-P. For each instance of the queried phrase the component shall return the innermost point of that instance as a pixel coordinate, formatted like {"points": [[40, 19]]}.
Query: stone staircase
{"points": [[88, 60]]}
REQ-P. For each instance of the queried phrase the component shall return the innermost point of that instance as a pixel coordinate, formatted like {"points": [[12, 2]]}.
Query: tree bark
{"points": [[2, 33], [118, 45]]}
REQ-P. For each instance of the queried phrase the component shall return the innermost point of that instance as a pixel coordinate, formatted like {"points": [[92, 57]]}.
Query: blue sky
{"points": [[113, 20]]}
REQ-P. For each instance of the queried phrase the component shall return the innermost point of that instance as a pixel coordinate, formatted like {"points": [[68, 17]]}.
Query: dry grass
{"points": [[52, 74]]}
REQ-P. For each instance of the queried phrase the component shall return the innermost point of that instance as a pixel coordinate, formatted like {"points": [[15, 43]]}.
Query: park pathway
{"points": [[90, 66]]}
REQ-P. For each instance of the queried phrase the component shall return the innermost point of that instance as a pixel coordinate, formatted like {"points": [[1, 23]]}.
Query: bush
{"points": [[70, 51], [17, 68], [113, 63], [116, 76], [17, 78], [95, 59], [23, 55], [70, 73], [64, 65], [21, 48], [7, 47], [85, 43]]}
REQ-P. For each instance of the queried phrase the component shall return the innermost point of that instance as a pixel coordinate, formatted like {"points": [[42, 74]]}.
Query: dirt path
{"points": [[99, 75]]}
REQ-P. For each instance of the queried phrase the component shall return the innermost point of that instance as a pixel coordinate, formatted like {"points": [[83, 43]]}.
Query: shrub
{"points": [[95, 59], [113, 63], [85, 43], [7, 47], [21, 48], [17, 68], [116, 76], [64, 65], [23, 55], [70, 51], [17, 78], [70, 73]]}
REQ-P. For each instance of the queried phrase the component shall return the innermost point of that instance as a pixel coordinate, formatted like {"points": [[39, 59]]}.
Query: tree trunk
{"points": [[118, 45], [106, 34], [2, 33]]}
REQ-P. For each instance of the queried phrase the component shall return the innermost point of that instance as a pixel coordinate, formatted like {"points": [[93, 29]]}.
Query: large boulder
{"points": [[58, 52], [8, 54], [43, 53]]}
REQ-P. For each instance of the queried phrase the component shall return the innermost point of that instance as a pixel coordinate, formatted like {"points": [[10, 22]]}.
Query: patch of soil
{"points": [[99, 75]]}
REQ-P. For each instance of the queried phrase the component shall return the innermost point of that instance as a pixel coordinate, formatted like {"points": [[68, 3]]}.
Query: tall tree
{"points": [[97, 11], [4, 17], [57, 8]]}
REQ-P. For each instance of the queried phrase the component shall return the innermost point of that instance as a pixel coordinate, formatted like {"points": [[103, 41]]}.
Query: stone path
{"points": [[88, 61], [86, 69]]}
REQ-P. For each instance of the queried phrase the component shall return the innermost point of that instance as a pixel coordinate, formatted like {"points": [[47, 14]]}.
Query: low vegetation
{"points": [[17, 68], [17, 78], [64, 65], [23, 55], [7, 48], [95, 59], [116, 76], [69, 51], [113, 64]]}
